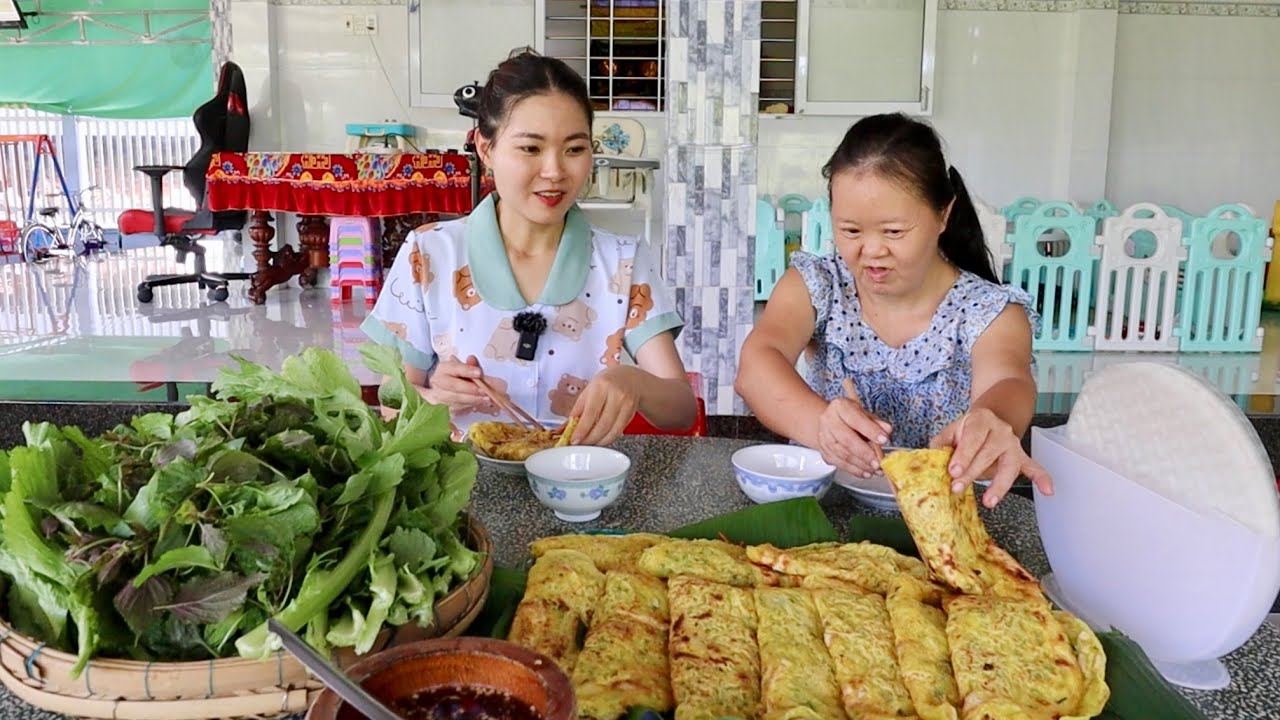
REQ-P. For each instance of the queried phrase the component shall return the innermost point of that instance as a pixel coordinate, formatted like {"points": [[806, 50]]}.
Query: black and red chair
{"points": [[223, 124]]}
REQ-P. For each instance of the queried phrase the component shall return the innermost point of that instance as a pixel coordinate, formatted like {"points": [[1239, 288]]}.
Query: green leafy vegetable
{"points": [[175, 537]]}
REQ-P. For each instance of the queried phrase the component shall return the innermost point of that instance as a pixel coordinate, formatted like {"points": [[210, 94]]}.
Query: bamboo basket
{"points": [[210, 689]]}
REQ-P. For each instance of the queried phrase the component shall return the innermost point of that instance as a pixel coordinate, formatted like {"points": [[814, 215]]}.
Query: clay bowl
{"points": [[465, 661]]}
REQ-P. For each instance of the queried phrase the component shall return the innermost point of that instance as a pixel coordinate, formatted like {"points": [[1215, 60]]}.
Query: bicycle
{"points": [[43, 238]]}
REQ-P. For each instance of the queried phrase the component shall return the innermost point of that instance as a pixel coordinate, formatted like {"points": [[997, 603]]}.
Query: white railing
{"points": [[107, 152], [110, 149], [18, 161]]}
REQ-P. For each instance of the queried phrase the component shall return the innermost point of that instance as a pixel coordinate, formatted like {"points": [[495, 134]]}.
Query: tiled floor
{"points": [[75, 330]]}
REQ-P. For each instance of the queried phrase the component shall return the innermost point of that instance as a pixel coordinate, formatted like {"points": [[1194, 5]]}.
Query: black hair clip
{"points": [[530, 325]]}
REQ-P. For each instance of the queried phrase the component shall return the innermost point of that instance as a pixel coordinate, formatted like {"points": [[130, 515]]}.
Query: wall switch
{"points": [[349, 24]]}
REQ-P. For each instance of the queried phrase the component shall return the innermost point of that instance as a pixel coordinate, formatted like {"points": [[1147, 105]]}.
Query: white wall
{"points": [[1058, 105], [1196, 111]]}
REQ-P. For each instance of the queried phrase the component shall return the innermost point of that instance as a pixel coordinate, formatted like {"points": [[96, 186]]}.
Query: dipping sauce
{"points": [[463, 703]]}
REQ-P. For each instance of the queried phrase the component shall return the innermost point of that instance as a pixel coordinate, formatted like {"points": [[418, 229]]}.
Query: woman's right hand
{"points": [[452, 384], [846, 435]]}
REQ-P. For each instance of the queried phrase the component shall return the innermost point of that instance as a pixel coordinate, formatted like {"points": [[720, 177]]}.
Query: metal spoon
{"points": [[335, 679]]}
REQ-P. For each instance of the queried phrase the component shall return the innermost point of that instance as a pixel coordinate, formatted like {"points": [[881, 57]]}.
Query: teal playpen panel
{"points": [[792, 207], [1053, 259], [1018, 208], [1227, 254], [819, 237], [771, 254]]}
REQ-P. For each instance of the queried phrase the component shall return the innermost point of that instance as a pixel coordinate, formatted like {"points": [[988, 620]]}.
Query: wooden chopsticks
{"points": [[852, 393], [501, 400]]}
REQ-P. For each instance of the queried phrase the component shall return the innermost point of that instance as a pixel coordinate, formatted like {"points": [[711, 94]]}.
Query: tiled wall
{"points": [[710, 167]]}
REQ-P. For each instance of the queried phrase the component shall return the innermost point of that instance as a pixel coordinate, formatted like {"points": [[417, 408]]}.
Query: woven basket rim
{"points": [[472, 525]]}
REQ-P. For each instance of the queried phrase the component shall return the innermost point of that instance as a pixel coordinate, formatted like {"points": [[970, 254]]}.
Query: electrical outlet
{"points": [[349, 24], [370, 25]]}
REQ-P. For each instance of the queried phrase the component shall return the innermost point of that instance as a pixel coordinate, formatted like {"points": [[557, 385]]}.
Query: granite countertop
{"points": [[677, 481]]}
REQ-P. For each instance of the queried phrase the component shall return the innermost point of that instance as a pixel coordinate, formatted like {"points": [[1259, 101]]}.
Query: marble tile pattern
{"points": [[220, 29], [710, 166]]}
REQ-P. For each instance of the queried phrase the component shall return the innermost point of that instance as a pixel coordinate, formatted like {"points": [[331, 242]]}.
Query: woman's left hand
{"points": [[986, 447], [606, 405]]}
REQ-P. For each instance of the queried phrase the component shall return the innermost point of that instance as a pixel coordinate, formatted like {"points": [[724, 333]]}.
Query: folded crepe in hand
{"points": [[951, 538]]}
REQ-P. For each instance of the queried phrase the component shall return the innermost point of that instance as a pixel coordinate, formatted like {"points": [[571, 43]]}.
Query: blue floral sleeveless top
{"points": [[918, 388]]}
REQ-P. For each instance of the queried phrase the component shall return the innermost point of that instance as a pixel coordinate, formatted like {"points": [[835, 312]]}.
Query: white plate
{"points": [[514, 468], [876, 491]]}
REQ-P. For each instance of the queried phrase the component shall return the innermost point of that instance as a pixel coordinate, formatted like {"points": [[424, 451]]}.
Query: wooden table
{"points": [[317, 185]]}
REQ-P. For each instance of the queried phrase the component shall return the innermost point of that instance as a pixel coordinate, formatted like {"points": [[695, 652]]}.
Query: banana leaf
{"points": [[787, 523]]}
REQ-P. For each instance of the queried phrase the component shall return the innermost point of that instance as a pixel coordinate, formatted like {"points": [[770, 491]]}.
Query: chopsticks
{"points": [[852, 393], [501, 400]]}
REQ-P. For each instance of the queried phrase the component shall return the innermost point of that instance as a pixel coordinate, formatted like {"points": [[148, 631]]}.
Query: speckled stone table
{"points": [[677, 481]]}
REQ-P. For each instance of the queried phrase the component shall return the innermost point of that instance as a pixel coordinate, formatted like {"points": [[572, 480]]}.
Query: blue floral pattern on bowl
{"points": [[790, 487], [556, 493], [596, 493]]}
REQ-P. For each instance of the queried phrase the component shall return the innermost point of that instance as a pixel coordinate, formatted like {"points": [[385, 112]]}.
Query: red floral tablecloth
{"points": [[365, 184]]}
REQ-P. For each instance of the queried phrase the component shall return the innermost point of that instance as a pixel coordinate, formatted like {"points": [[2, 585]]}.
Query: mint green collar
{"points": [[491, 270]]}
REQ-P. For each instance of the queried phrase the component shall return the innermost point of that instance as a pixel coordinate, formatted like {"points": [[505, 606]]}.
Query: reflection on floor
{"points": [[75, 330]]}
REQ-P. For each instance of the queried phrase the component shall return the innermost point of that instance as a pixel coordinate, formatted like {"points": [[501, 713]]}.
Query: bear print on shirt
{"points": [[565, 394], [573, 319]]}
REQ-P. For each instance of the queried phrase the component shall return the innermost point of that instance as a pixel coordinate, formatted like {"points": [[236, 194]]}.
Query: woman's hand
{"points": [[850, 438], [453, 385], [986, 447], [606, 405]]}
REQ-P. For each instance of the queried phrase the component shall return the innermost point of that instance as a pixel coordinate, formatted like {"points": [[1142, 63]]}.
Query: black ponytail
{"points": [[908, 151], [962, 242]]}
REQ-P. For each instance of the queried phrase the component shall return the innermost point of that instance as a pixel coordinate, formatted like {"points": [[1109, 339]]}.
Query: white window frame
{"points": [[922, 107], [538, 41], [418, 98]]}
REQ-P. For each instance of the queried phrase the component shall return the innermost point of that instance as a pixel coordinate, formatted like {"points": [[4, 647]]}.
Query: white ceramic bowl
{"points": [[768, 473], [577, 481]]}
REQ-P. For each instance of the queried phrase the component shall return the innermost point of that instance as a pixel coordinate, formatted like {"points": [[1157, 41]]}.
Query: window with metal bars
{"points": [[778, 56], [619, 46], [847, 57]]}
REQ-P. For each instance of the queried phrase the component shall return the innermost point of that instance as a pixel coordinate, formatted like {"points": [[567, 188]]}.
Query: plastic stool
{"points": [[355, 259]]}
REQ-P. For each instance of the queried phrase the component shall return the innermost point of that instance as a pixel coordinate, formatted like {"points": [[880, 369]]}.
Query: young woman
{"points": [[914, 341], [465, 298]]}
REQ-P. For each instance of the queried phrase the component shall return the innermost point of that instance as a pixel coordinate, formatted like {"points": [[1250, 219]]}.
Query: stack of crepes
{"points": [[827, 631]]}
